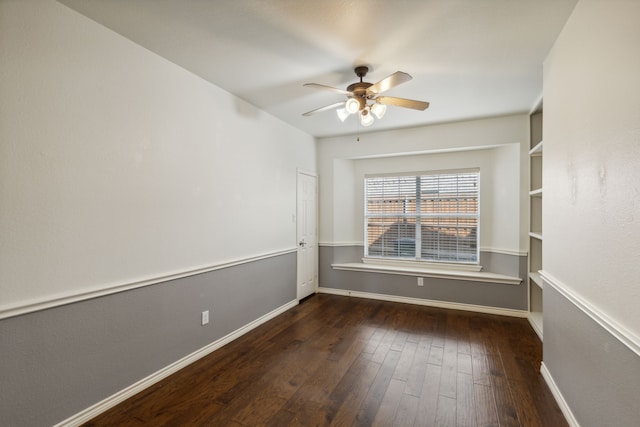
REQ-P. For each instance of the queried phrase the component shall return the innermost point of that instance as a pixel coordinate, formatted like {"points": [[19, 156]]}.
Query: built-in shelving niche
{"points": [[535, 220]]}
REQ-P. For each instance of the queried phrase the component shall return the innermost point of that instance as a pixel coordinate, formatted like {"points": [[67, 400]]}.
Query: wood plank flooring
{"points": [[340, 361]]}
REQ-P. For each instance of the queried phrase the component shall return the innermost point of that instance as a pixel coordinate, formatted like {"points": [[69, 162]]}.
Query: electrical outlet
{"points": [[420, 281], [205, 317]]}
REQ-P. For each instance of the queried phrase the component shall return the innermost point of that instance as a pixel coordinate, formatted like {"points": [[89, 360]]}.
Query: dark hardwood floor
{"points": [[343, 361]]}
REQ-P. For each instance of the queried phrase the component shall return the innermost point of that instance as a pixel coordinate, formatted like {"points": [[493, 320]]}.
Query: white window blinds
{"points": [[430, 217]]}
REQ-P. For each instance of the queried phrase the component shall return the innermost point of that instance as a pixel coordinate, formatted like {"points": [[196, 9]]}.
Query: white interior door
{"points": [[307, 234]]}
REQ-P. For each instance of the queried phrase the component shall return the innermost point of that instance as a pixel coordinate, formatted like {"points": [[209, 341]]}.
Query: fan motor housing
{"points": [[359, 88]]}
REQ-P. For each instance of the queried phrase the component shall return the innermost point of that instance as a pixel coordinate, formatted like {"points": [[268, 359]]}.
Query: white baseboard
{"points": [[564, 407], [144, 383], [431, 303]]}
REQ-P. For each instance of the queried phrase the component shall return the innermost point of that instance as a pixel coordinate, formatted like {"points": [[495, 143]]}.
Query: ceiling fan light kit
{"points": [[342, 114], [378, 110], [363, 98], [366, 119], [352, 106]]}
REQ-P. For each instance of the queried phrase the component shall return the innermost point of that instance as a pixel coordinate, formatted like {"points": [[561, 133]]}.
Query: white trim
{"points": [[515, 252], [564, 407], [56, 301], [473, 276], [338, 244], [624, 335], [426, 302], [111, 401]]}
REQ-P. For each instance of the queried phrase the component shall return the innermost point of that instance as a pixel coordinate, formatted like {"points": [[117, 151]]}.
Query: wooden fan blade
{"points": [[403, 102], [330, 88], [388, 82], [325, 108]]}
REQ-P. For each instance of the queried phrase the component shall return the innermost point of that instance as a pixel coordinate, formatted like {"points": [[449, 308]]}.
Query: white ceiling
{"points": [[468, 58]]}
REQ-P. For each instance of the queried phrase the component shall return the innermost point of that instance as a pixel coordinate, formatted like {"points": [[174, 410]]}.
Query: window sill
{"points": [[408, 263], [438, 273]]}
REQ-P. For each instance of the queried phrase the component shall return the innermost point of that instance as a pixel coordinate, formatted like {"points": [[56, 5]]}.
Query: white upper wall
{"points": [[591, 178], [498, 146], [118, 166]]}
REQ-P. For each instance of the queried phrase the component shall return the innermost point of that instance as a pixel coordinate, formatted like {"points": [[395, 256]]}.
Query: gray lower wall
{"points": [[446, 290], [598, 376], [57, 362]]}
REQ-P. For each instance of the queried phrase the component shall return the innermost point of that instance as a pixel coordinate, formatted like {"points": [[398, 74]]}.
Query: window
{"points": [[429, 217]]}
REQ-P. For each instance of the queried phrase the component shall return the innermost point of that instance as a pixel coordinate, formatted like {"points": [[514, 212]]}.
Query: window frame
{"points": [[419, 216]]}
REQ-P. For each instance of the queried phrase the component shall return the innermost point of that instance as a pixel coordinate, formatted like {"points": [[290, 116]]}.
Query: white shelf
{"points": [[536, 278], [536, 234], [537, 150], [536, 193], [535, 319]]}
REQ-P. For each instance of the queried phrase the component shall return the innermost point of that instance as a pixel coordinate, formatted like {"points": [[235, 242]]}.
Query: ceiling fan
{"points": [[364, 98]]}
